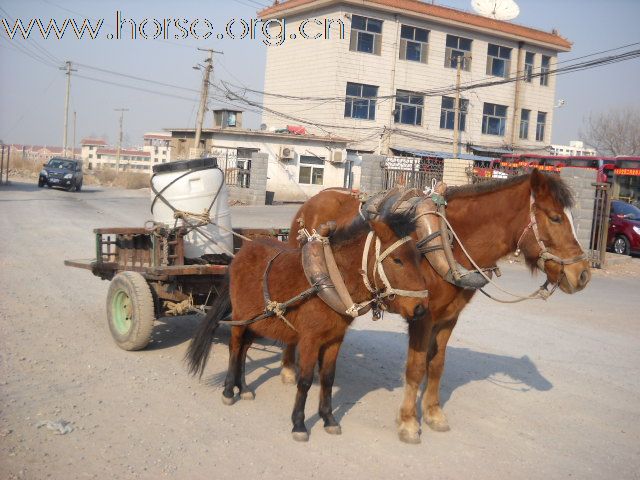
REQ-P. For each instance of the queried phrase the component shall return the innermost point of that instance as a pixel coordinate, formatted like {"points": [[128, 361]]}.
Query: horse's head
{"points": [[549, 241], [399, 271]]}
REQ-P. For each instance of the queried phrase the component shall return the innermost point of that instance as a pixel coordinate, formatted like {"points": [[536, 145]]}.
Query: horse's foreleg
{"points": [[245, 392], [431, 409], [328, 358], [307, 358], [235, 347], [408, 424], [288, 372]]}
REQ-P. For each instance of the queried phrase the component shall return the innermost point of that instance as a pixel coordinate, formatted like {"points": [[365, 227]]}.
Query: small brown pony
{"points": [[316, 329], [492, 219]]}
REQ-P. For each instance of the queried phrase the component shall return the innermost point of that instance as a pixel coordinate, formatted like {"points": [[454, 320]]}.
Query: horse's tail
{"points": [[200, 346]]}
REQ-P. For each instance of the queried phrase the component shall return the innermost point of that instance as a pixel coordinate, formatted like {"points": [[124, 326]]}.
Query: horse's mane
{"points": [[402, 224], [557, 187]]}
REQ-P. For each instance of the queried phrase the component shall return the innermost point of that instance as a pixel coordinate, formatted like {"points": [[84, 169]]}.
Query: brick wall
{"points": [[256, 194]]}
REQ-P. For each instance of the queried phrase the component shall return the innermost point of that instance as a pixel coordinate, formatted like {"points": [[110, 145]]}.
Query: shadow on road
{"points": [[374, 360]]}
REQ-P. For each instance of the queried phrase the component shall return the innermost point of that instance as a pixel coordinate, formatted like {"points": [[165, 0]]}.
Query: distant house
{"points": [[97, 155], [299, 165]]}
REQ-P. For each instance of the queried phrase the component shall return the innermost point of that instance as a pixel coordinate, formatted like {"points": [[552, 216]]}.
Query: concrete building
{"points": [[298, 165], [157, 145], [575, 148], [389, 84], [97, 155]]}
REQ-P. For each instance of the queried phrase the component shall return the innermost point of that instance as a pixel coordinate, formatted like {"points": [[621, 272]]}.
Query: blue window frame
{"points": [[360, 101]]}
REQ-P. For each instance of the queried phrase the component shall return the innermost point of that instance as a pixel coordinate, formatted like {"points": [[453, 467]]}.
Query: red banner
{"points": [[627, 171]]}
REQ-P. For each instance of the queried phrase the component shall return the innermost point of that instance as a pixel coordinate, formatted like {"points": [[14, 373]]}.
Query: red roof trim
{"points": [[439, 11]]}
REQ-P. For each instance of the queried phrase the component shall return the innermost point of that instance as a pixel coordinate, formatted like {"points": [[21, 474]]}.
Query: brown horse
{"points": [[492, 220], [268, 269]]}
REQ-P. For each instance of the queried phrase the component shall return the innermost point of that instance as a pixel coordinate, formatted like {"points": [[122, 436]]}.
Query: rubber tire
{"points": [[627, 245], [40, 184], [79, 187], [137, 289]]}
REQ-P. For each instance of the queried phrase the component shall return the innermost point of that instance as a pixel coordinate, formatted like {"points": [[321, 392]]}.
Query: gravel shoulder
{"points": [[533, 390]]}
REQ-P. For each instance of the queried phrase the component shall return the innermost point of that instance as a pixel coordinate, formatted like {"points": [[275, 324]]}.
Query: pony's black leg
{"points": [[308, 356], [235, 346], [328, 358], [245, 392]]}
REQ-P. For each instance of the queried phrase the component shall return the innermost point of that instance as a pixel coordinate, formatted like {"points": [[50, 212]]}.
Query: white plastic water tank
{"points": [[194, 186]]}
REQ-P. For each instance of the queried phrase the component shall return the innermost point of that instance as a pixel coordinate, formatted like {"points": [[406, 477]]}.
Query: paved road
{"points": [[534, 390]]}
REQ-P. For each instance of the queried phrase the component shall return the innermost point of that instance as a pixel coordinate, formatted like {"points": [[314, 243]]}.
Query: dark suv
{"points": [[624, 228], [62, 172]]}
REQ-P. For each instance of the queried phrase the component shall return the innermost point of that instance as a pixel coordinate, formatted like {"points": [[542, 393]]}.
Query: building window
{"points": [[544, 70], [408, 108], [542, 120], [311, 170], [494, 119], [525, 115], [458, 49], [498, 61], [448, 113], [529, 60], [360, 101], [366, 35], [414, 43]]}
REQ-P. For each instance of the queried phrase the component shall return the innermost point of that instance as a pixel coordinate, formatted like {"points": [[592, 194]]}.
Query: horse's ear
{"points": [[539, 185], [382, 230]]}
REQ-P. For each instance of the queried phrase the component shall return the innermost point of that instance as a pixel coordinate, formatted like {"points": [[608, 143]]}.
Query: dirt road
{"points": [[535, 390]]}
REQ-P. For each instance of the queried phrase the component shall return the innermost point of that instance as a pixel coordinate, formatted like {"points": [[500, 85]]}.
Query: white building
{"points": [[157, 144], [388, 83], [97, 155], [575, 148], [299, 165]]}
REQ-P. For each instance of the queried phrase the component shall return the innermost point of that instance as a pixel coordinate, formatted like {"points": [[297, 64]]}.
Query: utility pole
{"points": [[121, 110], [67, 67], [456, 115], [208, 68], [73, 149]]}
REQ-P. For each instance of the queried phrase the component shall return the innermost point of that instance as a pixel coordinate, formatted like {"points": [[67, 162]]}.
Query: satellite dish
{"points": [[497, 9]]}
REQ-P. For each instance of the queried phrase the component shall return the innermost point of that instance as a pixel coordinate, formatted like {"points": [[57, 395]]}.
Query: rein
{"points": [[544, 254]]}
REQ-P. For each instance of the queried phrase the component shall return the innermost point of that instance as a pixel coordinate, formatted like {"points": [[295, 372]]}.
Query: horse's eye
{"points": [[398, 261], [555, 218]]}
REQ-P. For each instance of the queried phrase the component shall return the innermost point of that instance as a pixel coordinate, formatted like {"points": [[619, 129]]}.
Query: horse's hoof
{"points": [[333, 430], [412, 438], [228, 400], [438, 424], [300, 436], [248, 395], [288, 376]]}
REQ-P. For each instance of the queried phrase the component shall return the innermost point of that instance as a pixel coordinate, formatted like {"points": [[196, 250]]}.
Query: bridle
{"points": [[388, 290], [544, 254]]}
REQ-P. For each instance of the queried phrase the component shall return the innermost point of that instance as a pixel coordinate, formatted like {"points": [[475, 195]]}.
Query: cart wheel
{"points": [[130, 311]]}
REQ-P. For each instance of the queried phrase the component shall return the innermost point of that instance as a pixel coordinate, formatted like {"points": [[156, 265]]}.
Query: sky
{"points": [[32, 88]]}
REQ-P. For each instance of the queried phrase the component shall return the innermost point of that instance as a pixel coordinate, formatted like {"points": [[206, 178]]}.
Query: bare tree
{"points": [[614, 132]]}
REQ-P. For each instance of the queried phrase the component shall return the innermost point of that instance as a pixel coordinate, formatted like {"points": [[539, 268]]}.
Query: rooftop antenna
{"points": [[496, 9]]}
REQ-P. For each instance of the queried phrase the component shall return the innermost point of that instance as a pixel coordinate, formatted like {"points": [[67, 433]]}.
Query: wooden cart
{"points": [[151, 278]]}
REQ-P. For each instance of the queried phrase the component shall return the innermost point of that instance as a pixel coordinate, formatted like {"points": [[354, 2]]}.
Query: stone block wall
{"points": [[256, 193], [580, 180]]}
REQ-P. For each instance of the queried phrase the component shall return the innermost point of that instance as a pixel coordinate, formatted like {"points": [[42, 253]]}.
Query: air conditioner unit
{"points": [[338, 156], [286, 153]]}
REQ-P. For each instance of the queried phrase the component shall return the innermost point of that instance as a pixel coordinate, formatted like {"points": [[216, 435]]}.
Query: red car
{"points": [[624, 228]]}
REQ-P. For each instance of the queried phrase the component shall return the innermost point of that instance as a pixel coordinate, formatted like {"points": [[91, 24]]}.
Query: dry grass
{"points": [[23, 167], [128, 180]]}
